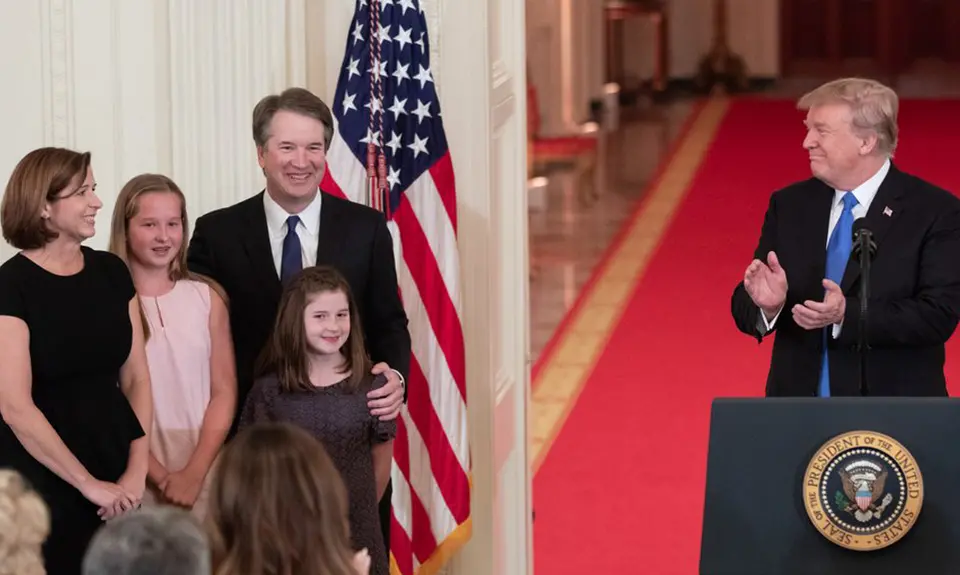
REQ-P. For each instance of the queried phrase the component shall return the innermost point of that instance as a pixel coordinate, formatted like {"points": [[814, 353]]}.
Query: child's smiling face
{"points": [[326, 322]]}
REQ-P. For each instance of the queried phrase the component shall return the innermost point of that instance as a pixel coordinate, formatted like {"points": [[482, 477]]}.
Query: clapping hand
{"points": [[816, 314], [766, 284]]}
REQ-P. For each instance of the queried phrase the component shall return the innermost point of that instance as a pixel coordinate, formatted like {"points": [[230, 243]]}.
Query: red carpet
{"points": [[621, 490]]}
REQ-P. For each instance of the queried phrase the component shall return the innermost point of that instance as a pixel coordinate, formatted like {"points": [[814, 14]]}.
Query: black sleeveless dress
{"points": [[80, 336]]}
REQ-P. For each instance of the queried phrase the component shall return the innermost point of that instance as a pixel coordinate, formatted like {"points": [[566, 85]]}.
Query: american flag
{"points": [[386, 96]]}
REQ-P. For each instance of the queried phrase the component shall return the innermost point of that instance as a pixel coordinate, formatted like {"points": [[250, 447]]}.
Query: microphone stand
{"points": [[866, 247]]}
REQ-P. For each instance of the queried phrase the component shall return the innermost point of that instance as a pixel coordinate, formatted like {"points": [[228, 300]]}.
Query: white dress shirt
{"points": [[308, 229], [864, 193]]}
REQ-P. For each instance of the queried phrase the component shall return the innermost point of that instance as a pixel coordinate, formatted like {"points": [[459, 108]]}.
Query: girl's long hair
{"points": [[278, 506], [128, 206], [287, 351]]}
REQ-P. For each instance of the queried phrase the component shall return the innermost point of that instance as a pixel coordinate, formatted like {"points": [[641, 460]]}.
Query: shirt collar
{"points": [[277, 216], [866, 191]]}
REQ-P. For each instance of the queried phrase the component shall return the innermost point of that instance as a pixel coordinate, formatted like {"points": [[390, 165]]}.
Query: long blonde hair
{"points": [[24, 526], [128, 206], [278, 506]]}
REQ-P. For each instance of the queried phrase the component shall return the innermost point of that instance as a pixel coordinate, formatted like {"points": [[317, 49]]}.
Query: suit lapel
{"points": [[332, 229], [819, 216], [886, 207], [256, 242]]}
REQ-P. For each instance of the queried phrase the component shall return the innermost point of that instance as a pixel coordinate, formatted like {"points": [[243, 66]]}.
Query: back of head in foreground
{"points": [[24, 526], [150, 541], [278, 505]]}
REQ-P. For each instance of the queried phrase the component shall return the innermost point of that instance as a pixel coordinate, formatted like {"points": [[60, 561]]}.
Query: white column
{"points": [[690, 33], [483, 62], [584, 62], [754, 33], [593, 55], [148, 86], [544, 62], [565, 60]]}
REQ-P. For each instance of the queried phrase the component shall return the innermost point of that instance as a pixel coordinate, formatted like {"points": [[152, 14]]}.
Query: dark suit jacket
{"points": [[914, 299], [232, 246]]}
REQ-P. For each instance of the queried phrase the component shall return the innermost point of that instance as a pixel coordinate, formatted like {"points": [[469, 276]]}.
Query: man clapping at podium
{"points": [[804, 284]]}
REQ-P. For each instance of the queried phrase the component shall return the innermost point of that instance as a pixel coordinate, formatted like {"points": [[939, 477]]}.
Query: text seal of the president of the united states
{"points": [[863, 490]]}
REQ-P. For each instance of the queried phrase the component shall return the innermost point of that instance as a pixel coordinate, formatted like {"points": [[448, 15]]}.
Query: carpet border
{"points": [[615, 242], [569, 358]]}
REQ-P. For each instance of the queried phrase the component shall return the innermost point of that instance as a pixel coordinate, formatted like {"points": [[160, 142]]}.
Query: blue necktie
{"points": [[838, 252], [291, 261]]}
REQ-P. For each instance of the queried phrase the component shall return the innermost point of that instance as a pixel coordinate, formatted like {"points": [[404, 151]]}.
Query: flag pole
{"points": [[377, 194]]}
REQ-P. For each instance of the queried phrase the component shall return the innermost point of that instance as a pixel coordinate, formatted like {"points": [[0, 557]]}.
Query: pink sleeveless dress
{"points": [[178, 355]]}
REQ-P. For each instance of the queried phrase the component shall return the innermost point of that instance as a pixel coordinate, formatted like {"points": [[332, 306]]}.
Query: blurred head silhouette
{"points": [[278, 505]]}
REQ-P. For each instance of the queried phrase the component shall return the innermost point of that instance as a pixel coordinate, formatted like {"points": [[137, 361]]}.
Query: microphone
{"points": [[863, 237], [865, 248]]}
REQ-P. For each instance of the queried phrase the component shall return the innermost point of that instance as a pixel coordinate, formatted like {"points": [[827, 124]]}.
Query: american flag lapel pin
{"points": [[887, 211]]}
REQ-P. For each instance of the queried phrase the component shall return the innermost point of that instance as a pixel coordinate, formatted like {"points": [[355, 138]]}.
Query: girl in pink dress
{"points": [[189, 350]]}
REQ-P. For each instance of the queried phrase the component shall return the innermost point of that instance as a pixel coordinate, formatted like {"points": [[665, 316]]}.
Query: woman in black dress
{"points": [[74, 388]]}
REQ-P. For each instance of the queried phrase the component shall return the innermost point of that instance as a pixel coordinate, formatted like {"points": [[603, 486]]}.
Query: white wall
{"points": [[566, 47], [141, 84], [753, 33]]}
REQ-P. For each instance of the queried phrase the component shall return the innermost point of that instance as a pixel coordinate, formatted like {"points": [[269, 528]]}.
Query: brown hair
{"points": [[873, 107], [296, 100], [278, 505], [37, 180], [286, 353], [127, 207]]}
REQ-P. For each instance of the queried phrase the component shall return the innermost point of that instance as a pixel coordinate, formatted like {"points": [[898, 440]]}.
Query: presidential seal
{"points": [[862, 490]]}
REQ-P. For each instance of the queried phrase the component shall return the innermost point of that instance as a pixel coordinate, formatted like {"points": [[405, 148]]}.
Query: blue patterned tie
{"points": [[838, 252], [291, 261]]}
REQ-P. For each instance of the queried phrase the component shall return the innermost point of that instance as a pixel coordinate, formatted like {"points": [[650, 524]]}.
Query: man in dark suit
{"points": [[250, 248], [804, 285]]}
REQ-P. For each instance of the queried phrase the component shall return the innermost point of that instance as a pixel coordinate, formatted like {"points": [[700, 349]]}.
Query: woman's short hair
{"points": [[36, 181]]}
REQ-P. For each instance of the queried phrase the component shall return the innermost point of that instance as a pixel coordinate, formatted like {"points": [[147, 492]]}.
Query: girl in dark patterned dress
{"points": [[315, 373]]}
